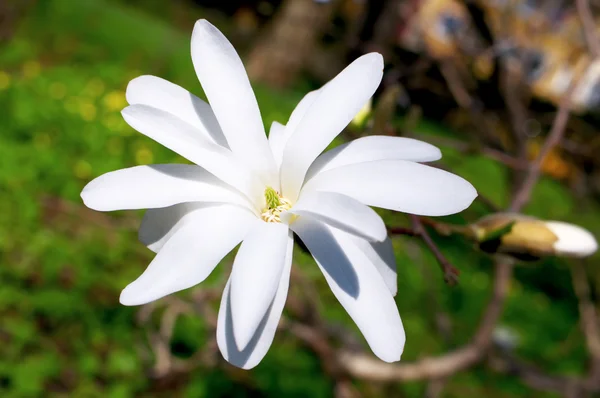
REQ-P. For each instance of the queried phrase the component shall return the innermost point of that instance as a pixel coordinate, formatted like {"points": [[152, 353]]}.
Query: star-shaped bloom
{"points": [[245, 188]]}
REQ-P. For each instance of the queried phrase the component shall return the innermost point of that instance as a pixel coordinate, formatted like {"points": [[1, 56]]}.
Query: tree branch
{"points": [[451, 273], [589, 26], [554, 137], [366, 367], [588, 315]]}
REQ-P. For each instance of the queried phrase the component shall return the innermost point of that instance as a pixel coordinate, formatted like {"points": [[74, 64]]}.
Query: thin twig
{"points": [[466, 147], [366, 367], [464, 99], [450, 272], [562, 116], [402, 231], [511, 88], [554, 137], [535, 378], [589, 317], [589, 26]]}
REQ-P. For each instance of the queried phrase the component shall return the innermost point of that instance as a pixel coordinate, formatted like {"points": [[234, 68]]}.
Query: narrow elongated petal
{"points": [[381, 254], [376, 147], [277, 141], [162, 94], [342, 212], [225, 82], [357, 285], [279, 133], [299, 111], [260, 342], [182, 138], [158, 225], [191, 254], [255, 277], [331, 111], [398, 185], [293, 122], [159, 185]]}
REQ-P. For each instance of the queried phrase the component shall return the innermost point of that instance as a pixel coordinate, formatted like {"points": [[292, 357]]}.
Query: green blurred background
{"points": [[64, 66]]}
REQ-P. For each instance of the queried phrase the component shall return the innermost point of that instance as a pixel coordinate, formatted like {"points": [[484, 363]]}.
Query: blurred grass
{"points": [[63, 332]]}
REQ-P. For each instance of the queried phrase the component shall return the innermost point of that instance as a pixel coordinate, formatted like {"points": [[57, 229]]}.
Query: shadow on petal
{"points": [[237, 357], [188, 172], [326, 251], [385, 252], [213, 128], [160, 223]]}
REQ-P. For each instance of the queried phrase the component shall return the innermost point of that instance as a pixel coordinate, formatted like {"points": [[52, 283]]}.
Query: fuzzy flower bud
{"points": [[572, 239], [528, 238]]}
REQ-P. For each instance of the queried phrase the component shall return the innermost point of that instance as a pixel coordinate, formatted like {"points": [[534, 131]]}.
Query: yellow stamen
{"points": [[276, 204], [272, 198]]}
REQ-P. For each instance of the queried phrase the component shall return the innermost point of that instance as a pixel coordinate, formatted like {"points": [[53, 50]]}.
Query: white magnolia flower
{"points": [[245, 188]]}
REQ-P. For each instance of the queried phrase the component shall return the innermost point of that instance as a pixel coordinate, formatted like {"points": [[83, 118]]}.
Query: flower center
{"points": [[275, 205]]}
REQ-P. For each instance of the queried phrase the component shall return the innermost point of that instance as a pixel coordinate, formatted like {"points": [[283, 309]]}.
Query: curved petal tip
{"points": [[129, 297]]}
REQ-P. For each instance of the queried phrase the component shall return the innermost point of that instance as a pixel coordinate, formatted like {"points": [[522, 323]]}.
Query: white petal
{"points": [[398, 185], [342, 212], [159, 185], [375, 147], [284, 132], [255, 276], [382, 256], [357, 285], [294, 120], [330, 112], [182, 138], [191, 254], [572, 239], [276, 141], [225, 82], [162, 94], [299, 112], [260, 342], [158, 225]]}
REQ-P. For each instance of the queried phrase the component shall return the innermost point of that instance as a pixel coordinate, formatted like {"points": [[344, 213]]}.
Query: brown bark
{"points": [[288, 43]]}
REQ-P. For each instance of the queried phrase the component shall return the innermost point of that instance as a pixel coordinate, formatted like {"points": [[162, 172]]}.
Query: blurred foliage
{"points": [[63, 332]]}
